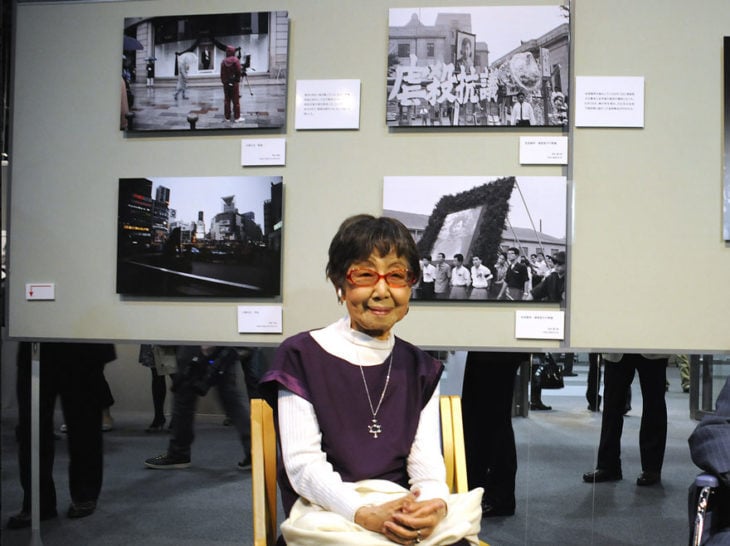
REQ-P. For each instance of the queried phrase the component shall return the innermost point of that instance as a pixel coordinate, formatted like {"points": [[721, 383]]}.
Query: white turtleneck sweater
{"points": [[311, 476]]}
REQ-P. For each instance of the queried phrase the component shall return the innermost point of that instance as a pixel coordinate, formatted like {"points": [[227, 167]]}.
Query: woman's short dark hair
{"points": [[361, 235]]}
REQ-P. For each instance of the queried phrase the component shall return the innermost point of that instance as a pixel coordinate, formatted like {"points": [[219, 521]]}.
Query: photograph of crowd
{"points": [[484, 238], [204, 72], [200, 237], [496, 66]]}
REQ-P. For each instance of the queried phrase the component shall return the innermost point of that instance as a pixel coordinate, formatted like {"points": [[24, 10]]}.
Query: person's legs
{"points": [[536, 402], [106, 401], [491, 456], [185, 402], [82, 390], [653, 431], [683, 365], [159, 393], [594, 382], [227, 101], [568, 365], [617, 378], [253, 365], [236, 98], [235, 403]]}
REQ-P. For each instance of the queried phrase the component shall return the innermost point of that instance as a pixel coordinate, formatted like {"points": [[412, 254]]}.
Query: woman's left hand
{"points": [[415, 521]]}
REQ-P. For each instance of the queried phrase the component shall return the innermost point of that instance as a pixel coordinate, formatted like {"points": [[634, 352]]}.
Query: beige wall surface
{"points": [[648, 267]]}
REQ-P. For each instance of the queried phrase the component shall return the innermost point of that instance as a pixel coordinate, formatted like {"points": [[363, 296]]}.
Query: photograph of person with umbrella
{"points": [[184, 57]]}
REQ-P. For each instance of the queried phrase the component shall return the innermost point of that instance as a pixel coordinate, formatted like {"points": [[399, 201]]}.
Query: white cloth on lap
{"points": [[311, 525]]}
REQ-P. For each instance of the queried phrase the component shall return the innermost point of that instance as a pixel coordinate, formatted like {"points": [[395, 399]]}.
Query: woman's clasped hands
{"points": [[403, 521]]}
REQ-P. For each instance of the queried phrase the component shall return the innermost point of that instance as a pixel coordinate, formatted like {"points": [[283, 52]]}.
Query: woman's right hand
{"points": [[373, 517]]}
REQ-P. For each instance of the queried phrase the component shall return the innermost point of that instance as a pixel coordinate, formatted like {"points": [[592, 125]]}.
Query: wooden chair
{"points": [[263, 473], [263, 463], [452, 445]]}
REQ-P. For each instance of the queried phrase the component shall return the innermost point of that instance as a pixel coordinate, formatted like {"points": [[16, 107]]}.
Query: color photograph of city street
{"points": [[200, 237]]}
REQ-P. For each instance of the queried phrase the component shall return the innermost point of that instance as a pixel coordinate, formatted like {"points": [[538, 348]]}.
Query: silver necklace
{"points": [[374, 427]]}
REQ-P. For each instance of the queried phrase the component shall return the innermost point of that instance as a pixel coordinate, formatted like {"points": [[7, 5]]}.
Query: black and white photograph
{"points": [[200, 237], [210, 72], [484, 237], [726, 177], [495, 66]]}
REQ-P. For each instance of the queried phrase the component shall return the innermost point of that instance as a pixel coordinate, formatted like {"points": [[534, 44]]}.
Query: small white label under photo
{"points": [[540, 324], [40, 291], [259, 319], [327, 104], [543, 150], [263, 151]]}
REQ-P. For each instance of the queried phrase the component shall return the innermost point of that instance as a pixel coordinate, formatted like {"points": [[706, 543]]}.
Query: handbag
{"points": [[550, 374], [165, 359]]}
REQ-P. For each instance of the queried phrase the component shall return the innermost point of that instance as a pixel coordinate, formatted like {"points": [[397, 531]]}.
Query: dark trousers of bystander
{"points": [[491, 455], [185, 402], [618, 377], [73, 372]]}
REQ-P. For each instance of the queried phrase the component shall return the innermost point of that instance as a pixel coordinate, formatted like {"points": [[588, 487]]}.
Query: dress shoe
{"points": [[600, 475], [497, 510], [81, 509], [539, 406], [649, 478], [23, 519]]}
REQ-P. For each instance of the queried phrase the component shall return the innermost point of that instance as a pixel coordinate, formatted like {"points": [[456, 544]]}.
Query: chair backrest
{"points": [[263, 462], [263, 473], [452, 442]]}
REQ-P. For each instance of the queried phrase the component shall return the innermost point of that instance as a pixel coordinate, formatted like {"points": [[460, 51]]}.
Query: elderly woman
{"points": [[357, 410]]}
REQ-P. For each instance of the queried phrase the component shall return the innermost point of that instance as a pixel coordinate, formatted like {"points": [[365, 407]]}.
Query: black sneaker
{"points": [[165, 461], [246, 463]]}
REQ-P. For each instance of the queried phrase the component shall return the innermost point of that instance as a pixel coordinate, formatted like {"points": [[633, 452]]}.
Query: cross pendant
{"points": [[375, 428]]}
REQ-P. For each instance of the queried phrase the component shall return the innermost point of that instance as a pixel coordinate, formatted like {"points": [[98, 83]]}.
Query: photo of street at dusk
{"points": [[200, 237]]}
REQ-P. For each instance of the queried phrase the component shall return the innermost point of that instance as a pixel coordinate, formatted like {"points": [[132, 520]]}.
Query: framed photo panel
{"points": [[211, 72], [484, 238], [472, 66], [200, 237]]}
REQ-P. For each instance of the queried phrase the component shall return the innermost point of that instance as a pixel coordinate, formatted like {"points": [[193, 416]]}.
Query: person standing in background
{"points": [[489, 440], [442, 276], [184, 62], [230, 78], [73, 372], [522, 113], [460, 279], [480, 277], [619, 373], [428, 277]]}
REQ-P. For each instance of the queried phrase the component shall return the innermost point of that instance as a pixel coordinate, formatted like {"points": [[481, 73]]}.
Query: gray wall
{"points": [[648, 263]]}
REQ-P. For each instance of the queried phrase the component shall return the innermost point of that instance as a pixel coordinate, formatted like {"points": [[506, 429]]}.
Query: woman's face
{"points": [[375, 309]]}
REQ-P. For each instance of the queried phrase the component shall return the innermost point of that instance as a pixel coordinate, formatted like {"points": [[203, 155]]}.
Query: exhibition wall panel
{"points": [[647, 263]]}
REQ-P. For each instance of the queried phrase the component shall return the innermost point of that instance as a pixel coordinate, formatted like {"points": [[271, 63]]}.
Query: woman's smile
{"points": [[375, 309]]}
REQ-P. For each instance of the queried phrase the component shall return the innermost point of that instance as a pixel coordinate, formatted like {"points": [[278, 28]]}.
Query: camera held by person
{"points": [[203, 371]]}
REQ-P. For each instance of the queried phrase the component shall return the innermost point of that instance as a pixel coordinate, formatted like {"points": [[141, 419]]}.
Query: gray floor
{"points": [[210, 503]]}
